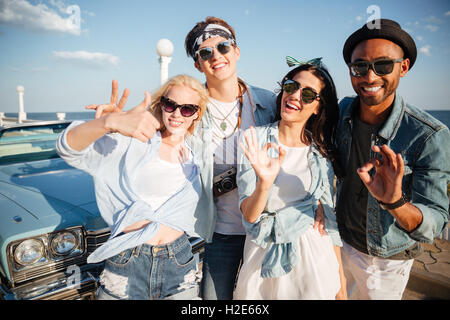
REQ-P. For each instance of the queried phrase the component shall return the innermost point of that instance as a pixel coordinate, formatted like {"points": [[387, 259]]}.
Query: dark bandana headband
{"points": [[209, 31]]}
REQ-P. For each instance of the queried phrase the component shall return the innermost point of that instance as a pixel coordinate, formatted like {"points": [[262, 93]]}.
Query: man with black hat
{"points": [[396, 159]]}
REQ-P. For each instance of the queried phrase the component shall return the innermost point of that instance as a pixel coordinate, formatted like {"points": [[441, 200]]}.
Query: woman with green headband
{"points": [[285, 175]]}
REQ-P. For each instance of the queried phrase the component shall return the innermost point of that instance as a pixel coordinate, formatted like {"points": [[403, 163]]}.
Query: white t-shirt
{"points": [[229, 217], [293, 180], [158, 180]]}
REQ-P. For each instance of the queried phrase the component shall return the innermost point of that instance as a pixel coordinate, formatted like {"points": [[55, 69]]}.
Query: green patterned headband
{"points": [[294, 62], [317, 62]]}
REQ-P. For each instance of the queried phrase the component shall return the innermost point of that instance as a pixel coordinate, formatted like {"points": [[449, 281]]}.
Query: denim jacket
{"points": [[424, 144], [279, 230], [112, 161], [264, 109]]}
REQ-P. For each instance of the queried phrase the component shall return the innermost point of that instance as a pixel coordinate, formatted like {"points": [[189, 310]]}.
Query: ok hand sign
{"points": [[386, 184], [266, 167]]}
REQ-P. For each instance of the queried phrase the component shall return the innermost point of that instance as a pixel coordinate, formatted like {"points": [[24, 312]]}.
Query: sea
{"points": [[83, 115], [441, 115]]}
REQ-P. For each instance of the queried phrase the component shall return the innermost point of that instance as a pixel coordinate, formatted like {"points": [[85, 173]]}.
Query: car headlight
{"points": [[64, 243], [45, 250], [29, 252]]}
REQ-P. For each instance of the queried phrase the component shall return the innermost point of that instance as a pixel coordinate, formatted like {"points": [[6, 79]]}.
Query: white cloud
{"points": [[447, 14], [408, 30], [39, 69], [39, 17], [247, 12], [414, 24], [358, 18], [419, 38], [58, 4], [95, 59], [28, 70], [425, 50], [432, 19], [16, 69], [431, 27]]}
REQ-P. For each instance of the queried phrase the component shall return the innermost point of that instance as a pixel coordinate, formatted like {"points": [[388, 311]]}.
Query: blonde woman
{"points": [[147, 187]]}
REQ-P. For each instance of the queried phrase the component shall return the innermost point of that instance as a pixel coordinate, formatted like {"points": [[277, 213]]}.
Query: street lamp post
{"points": [[22, 115], [164, 48]]}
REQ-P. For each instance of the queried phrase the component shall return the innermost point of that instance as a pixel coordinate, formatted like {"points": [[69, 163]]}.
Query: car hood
{"points": [[45, 195], [53, 178]]}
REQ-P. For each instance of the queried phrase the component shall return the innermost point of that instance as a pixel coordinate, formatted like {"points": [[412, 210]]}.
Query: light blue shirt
{"points": [[113, 161], [278, 231]]}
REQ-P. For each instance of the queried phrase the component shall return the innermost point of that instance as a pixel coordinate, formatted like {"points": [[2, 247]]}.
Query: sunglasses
{"points": [[207, 52], [186, 110], [381, 67], [308, 95]]}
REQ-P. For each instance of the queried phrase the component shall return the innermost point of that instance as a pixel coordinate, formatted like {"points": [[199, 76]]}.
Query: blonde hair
{"points": [[180, 80]]}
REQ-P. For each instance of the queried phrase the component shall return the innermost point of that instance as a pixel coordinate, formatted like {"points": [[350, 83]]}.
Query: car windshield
{"points": [[29, 143]]}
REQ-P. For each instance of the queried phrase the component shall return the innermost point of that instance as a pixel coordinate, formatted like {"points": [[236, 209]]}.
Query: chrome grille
{"points": [[33, 273], [95, 240]]}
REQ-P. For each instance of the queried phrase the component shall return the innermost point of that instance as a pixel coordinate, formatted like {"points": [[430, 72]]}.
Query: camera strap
{"points": [[241, 101]]}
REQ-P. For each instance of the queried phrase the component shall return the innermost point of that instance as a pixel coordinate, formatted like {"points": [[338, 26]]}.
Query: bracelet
{"points": [[395, 205]]}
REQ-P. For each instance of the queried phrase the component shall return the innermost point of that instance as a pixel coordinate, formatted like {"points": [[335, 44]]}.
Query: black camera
{"points": [[224, 182]]}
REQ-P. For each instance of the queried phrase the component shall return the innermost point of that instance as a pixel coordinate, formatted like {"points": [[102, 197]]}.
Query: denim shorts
{"points": [[149, 272]]}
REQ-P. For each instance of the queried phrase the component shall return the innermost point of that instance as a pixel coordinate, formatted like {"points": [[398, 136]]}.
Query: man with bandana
{"points": [[234, 106]]}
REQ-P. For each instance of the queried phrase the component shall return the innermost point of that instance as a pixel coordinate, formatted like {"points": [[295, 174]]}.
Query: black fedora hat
{"points": [[389, 30]]}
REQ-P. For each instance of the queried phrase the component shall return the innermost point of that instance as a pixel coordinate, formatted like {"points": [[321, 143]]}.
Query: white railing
{"points": [[13, 120]]}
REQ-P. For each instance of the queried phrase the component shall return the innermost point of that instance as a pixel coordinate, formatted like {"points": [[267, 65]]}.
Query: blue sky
{"points": [[64, 67]]}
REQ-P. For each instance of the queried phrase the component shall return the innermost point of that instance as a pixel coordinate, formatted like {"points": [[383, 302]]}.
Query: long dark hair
{"points": [[321, 128]]}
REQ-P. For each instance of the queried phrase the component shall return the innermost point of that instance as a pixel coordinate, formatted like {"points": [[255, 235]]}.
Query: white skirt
{"points": [[316, 275]]}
